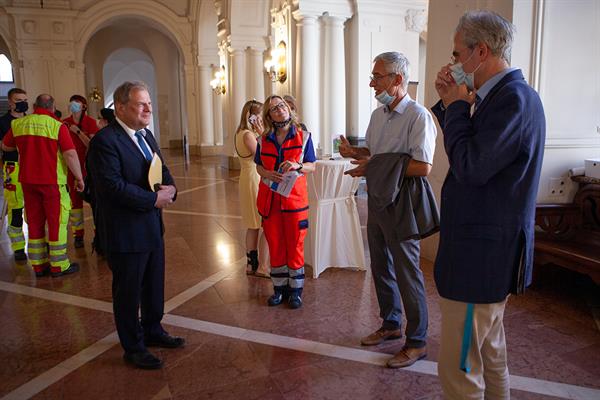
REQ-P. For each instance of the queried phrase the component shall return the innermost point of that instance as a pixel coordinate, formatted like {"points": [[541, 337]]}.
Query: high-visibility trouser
{"points": [[285, 233], [13, 193], [47, 204], [76, 215]]}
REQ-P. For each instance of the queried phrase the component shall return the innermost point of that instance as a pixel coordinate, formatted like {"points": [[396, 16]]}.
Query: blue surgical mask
{"points": [[385, 98], [462, 77], [75, 107]]}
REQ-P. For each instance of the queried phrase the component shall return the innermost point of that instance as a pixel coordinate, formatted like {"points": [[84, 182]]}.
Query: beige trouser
{"points": [[488, 376]]}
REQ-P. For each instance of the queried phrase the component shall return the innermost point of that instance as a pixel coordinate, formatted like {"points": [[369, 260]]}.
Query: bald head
{"points": [[45, 101]]}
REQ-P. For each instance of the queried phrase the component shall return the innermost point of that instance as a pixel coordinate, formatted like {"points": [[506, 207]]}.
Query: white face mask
{"points": [[462, 77], [75, 107], [385, 98]]}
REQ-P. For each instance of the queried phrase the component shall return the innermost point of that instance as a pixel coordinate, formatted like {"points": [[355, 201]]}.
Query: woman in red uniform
{"points": [[82, 129], [284, 148]]}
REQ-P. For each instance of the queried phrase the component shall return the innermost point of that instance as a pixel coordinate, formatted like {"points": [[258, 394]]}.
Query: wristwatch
{"points": [[300, 167]]}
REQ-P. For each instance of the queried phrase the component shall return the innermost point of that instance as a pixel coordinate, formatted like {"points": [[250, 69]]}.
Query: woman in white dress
{"points": [[251, 127]]}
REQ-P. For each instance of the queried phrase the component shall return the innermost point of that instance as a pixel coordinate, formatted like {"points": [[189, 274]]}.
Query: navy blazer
{"points": [[489, 195], [126, 217]]}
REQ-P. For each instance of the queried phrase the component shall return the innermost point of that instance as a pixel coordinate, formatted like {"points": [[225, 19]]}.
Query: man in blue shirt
{"points": [[400, 125], [494, 130]]}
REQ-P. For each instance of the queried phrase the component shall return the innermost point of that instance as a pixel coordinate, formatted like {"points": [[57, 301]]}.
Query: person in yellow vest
{"points": [[284, 148], [13, 193], [45, 151]]}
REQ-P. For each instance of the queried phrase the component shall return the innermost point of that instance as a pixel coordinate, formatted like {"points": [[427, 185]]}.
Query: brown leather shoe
{"points": [[407, 356], [380, 335]]}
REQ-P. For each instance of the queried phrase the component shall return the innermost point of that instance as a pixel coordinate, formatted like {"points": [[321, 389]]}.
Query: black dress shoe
{"points": [[145, 360], [74, 267], [167, 341]]}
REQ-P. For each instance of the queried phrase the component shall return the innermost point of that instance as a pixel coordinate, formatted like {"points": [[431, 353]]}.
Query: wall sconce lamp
{"points": [[218, 83], [276, 66], [95, 95]]}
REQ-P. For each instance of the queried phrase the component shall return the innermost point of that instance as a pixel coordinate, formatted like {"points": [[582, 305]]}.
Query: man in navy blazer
{"points": [[494, 131], [130, 223]]}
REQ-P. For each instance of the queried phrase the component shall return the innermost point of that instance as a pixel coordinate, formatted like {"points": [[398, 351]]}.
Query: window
{"points": [[6, 73]]}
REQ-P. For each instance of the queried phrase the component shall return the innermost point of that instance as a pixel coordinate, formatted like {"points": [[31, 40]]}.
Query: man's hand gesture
{"points": [[164, 196], [361, 170], [346, 149]]}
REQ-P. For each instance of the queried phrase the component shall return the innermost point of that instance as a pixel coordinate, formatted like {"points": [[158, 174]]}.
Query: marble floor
{"points": [[58, 339]]}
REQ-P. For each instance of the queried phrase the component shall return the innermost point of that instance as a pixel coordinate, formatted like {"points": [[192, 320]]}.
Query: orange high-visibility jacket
{"points": [[292, 149]]}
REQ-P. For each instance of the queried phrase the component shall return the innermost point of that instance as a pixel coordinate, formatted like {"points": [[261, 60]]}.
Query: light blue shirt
{"points": [[408, 128], [490, 83]]}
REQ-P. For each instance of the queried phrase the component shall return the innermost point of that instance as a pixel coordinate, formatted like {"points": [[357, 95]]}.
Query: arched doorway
{"points": [[128, 64], [7, 78], [132, 48]]}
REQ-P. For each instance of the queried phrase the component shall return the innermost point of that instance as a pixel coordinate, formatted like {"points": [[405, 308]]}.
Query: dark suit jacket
{"points": [[489, 195], [127, 219], [403, 207]]}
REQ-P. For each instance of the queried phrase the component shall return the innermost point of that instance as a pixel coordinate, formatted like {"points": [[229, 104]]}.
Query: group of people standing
{"points": [[48, 159], [43, 174], [494, 130]]}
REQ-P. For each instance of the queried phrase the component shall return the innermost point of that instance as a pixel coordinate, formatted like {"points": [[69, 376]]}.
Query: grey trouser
{"points": [[398, 280]]}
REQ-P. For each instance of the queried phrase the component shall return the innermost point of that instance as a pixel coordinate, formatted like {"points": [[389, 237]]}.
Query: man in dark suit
{"points": [[130, 223], [495, 153]]}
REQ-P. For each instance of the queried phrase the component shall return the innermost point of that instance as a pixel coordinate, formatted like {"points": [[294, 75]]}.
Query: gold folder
{"points": [[155, 173]]}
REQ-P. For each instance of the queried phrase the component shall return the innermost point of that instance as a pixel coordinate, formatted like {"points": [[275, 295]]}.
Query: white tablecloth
{"points": [[334, 236]]}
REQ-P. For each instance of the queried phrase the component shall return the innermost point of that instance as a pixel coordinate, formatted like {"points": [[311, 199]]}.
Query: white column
{"points": [[207, 137], [217, 102], [189, 114], [237, 93], [334, 82], [307, 74], [256, 77]]}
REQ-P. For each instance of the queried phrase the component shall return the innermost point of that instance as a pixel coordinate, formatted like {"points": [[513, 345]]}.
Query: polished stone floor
{"points": [[58, 340]]}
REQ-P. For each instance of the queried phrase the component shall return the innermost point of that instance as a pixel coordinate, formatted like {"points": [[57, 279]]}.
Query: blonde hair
{"points": [[267, 118], [252, 107]]}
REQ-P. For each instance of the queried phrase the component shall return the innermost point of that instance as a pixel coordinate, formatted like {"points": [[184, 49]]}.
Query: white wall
{"points": [[126, 64], [152, 47], [376, 28], [566, 74], [563, 69]]}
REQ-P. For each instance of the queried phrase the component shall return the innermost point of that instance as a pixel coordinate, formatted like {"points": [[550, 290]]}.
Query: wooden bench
{"points": [[569, 234]]}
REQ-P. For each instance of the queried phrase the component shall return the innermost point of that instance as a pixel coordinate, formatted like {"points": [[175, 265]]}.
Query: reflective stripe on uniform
{"points": [[58, 255], [296, 280], [17, 239], [37, 251], [76, 219], [13, 193], [280, 275]]}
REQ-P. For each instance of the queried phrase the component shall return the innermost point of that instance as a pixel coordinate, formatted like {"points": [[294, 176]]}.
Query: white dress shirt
{"points": [[131, 134]]}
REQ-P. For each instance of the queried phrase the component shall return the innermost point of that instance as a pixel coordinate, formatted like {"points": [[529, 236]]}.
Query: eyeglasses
{"points": [[455, 55], [281, 105], [376, 78]]}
